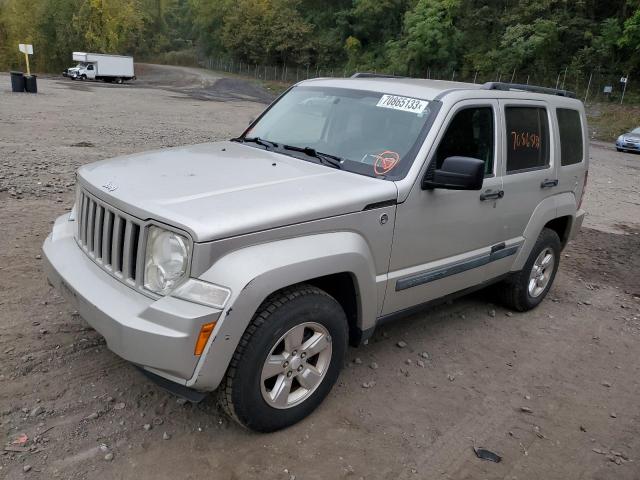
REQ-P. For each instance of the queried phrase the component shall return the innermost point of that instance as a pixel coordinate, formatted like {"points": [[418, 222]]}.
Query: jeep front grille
{"points": [[112, 239]]}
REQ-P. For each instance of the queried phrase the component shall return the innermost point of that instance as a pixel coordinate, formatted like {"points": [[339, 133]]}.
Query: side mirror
{"points": [[456, 173]]}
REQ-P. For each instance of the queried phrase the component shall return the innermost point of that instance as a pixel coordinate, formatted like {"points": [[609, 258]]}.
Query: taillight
{"points": [[584, 188]]}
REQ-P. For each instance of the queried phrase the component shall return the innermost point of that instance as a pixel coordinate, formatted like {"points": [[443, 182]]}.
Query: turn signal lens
{"points": [[203, 337]]}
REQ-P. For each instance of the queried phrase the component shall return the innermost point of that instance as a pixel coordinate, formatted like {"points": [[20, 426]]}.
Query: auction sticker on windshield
{"points": [[406, 104]]}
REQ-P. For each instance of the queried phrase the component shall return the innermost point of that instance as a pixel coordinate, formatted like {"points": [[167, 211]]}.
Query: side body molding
{"points": [[254, 272]]}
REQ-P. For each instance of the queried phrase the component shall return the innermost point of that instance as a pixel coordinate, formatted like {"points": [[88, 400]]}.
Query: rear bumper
{"points": [[158, 335]]}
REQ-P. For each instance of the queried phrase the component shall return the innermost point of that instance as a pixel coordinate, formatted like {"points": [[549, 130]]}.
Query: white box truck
{"points": [[98, 66]]}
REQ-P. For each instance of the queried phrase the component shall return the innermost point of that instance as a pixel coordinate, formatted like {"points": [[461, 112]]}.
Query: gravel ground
{"points": [[553, 391]]}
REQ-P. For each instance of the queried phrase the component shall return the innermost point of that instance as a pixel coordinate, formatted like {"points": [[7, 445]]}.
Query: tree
{"points": [[266, 31], [431, 38]]}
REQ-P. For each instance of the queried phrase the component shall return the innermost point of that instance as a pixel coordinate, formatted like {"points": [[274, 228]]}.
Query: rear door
{"points": [[529, 169]]}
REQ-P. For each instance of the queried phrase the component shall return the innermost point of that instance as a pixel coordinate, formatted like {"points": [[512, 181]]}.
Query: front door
{"points": [[445, 240], [91, 71]]}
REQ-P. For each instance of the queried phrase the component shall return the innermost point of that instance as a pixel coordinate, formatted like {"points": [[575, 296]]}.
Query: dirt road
{"points": [[554, 391]]}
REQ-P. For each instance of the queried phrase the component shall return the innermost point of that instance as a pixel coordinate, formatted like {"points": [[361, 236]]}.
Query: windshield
{"points": [[371, 133]]}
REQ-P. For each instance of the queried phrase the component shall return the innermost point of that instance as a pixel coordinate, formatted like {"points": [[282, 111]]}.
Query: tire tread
{"points": [[514, 290], [271, 304]]}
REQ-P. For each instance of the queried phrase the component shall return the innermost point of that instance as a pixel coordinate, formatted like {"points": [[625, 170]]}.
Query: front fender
{"points": [[254, 272]]}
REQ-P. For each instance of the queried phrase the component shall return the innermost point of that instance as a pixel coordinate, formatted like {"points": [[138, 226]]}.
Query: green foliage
{"points": [[631, 34], [266, 31], [501, 37], [431, 38]]}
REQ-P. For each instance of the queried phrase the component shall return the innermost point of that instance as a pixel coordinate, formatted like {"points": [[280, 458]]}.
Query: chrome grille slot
{"points": [[110, 238], [107, 231]]}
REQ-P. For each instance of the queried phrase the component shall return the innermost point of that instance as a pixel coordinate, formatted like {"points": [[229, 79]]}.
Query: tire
{"points": [[619, 149], [248, 393], [517, 292], [119, 81], [83, 77]]}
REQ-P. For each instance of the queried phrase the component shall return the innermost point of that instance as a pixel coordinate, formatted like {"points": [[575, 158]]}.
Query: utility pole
{"points": [[626, 82], [588, 86]]}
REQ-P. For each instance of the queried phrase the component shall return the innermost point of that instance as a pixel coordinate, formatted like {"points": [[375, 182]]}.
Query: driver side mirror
{"points": [[456, 173]]}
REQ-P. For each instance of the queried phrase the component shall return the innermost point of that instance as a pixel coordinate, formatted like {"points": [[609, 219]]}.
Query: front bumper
{"points": [[631, 147], [157, 334]]}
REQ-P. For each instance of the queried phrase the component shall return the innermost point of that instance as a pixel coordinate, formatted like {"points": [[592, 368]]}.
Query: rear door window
{"points": [[571, 142], [527, 138]]}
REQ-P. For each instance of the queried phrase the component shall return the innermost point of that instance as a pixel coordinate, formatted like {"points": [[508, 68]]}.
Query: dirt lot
{"points": [[554, 391]]}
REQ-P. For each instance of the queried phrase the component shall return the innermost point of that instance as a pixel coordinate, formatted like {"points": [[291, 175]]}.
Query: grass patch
{"points": [[607, 122]]}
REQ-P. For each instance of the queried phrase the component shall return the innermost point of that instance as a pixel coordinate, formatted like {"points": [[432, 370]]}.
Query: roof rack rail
{"points": [[527, 88], [373, 75]]}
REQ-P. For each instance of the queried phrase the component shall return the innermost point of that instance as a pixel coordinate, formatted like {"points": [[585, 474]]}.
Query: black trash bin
{"points": [[17, 82], [30, 84]]}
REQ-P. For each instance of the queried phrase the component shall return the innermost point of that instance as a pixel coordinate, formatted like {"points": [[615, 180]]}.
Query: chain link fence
{"points": [[594, 86]]}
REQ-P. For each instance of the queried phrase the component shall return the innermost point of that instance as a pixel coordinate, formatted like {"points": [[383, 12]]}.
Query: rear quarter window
{"points": [[527, 138], [571, 141]]}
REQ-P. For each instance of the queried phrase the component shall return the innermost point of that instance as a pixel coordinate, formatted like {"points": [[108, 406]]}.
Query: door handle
{"points": [[491, 195], [549, 183]]}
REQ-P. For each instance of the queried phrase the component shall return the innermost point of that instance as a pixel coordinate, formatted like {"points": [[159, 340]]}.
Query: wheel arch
{"points": [[562, 226], [557, 213], [343, 287], [339, 263]]}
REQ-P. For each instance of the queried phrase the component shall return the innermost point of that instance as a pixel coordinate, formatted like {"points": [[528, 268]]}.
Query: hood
{"points": [[219, 190], [631, 136]]}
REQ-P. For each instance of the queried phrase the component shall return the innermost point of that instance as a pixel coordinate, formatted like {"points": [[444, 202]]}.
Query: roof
{"points": [[413, 87], [433, 89]]}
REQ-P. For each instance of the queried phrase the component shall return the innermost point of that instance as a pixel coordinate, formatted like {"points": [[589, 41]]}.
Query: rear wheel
{"points": [[287, 361], [527, 288], [118, 80]]}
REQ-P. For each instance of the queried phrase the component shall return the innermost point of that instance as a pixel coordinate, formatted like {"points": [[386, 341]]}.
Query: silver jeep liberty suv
{"points": [[247, 266]]}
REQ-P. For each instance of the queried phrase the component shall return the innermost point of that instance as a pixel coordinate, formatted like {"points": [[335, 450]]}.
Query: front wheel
{"points": [[527, 288], [287, 361]]}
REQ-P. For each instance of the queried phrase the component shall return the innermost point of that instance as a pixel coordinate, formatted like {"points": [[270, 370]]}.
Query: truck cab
{"points": [[84, 71]]}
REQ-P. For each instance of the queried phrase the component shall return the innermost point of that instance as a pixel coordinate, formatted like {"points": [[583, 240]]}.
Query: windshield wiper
{"points": [[326, 158], [256, 140]]}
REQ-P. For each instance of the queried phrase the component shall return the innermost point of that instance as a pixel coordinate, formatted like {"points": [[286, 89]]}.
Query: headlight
{"points": [[166, 257]]}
